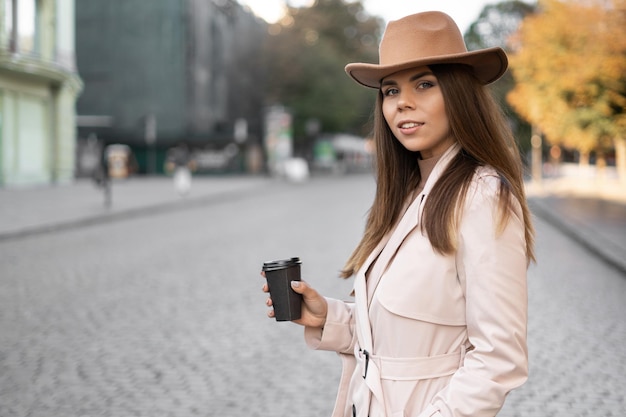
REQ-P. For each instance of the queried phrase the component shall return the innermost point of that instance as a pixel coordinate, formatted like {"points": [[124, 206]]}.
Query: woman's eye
{"points": [[425, 84], [390, 92]]}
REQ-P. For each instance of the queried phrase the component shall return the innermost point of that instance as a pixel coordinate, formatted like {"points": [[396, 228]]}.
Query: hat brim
{"points": [[488, 65]]}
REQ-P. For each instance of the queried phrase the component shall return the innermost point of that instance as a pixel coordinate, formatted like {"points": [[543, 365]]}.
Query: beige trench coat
{"points": [[431, 335]]}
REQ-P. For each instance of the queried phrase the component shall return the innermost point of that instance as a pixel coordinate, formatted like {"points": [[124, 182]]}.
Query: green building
{"points": [[159, 73], [38, 89]]}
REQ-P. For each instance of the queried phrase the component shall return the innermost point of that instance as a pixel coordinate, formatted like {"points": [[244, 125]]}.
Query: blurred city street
{"points": [[153, 155], [153, 306]]}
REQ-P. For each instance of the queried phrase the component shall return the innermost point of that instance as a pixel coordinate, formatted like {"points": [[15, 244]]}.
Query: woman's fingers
{"points": [[266, 288], [268, 302], [300, 287]]}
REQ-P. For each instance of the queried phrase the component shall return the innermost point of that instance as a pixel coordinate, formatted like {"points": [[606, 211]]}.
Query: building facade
{"points": [[160, 73], [39, 85]]}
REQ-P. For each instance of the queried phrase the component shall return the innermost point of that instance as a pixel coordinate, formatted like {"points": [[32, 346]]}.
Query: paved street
{"points": [[161, 313]]}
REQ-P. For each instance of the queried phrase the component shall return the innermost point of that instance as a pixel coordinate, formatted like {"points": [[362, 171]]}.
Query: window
{"points": [[21, 25]]}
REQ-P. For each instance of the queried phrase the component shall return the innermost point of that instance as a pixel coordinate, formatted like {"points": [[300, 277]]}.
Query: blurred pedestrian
{"points": [[438, 322], [101, 175], [181, 160]]}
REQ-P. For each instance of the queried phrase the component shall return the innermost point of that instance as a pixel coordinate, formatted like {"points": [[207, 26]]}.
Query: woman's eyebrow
{"points": [[420, 75], [413, 78]]}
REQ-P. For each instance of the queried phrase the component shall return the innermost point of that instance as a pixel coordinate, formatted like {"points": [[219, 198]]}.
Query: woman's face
{"points": [[414, 109]]}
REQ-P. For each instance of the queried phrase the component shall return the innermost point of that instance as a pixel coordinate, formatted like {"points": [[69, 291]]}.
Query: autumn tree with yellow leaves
{"points": [[569, 64]]}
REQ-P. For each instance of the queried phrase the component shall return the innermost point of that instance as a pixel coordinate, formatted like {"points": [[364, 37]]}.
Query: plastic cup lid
{"points": [[281, 264]]}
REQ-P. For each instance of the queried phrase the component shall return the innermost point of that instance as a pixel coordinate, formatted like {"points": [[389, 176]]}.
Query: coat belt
{"points": [[411, 369]]}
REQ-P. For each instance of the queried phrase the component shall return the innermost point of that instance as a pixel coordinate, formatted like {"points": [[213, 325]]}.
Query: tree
{"points": [[570, 70], [496, 23], [305, 56], [494, 27]]}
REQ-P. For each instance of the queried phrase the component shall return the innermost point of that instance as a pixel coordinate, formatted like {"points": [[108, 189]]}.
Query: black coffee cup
{"points": [[279, 274]]}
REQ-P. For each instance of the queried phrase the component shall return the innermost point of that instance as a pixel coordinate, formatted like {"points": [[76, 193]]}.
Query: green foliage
{"points": [[305, 56], [496, 23], [494, 27]]}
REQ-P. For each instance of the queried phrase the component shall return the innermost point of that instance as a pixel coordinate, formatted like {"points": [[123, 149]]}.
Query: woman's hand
{"points": [[314, 306]]}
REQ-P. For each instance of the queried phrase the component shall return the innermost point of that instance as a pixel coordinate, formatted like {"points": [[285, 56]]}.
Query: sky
{"points": [[464, 12]]}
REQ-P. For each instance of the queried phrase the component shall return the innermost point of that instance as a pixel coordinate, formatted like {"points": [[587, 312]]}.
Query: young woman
{"points": [[438, 323]]}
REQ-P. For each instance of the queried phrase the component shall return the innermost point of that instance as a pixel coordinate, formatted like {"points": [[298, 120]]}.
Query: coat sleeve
{"points": [[492, 267], [338, 334]]}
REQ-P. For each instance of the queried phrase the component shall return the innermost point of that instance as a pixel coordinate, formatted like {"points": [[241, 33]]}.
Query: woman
{"points": [[438, 325]]}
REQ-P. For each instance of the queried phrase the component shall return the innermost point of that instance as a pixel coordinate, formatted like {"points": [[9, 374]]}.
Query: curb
{"points": [[588, 238]]}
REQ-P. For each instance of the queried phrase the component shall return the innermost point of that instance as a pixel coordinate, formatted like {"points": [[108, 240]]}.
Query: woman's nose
{"points": [[405, 101]]}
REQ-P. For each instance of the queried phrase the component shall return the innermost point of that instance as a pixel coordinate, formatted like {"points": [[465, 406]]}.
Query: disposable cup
{"points": [[279, 274]]}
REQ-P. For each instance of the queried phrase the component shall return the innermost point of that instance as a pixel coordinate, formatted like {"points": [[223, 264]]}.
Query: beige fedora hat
{"points": [[425, 39]]}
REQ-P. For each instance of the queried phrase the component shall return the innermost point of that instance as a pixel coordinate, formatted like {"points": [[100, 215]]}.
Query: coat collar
{"points": [[441, 165]]}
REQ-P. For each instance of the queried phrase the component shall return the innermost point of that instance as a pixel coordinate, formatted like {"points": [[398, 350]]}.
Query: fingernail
{"points": [[295, 284]]}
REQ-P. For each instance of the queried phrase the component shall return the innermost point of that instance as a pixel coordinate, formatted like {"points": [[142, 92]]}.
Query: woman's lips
{"points": [[409, 127]]}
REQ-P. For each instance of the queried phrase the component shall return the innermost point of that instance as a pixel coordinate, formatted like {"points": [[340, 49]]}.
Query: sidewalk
{"points": [[590, 211], [42, 209]]}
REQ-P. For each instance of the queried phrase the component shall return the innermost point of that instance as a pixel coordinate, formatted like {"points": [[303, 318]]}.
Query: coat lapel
{"points": [[388, 247], [407, 223]]}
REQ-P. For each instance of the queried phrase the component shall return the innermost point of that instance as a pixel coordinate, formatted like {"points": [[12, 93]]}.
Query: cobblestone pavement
{"points": [[162, 315], [577, 335]]}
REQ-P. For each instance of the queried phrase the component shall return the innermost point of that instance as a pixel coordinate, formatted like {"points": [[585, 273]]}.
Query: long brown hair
{"points": [[479, 127]]}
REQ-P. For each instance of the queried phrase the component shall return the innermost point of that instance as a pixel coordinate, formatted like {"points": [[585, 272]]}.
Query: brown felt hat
{"points": [[425, 39]]}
